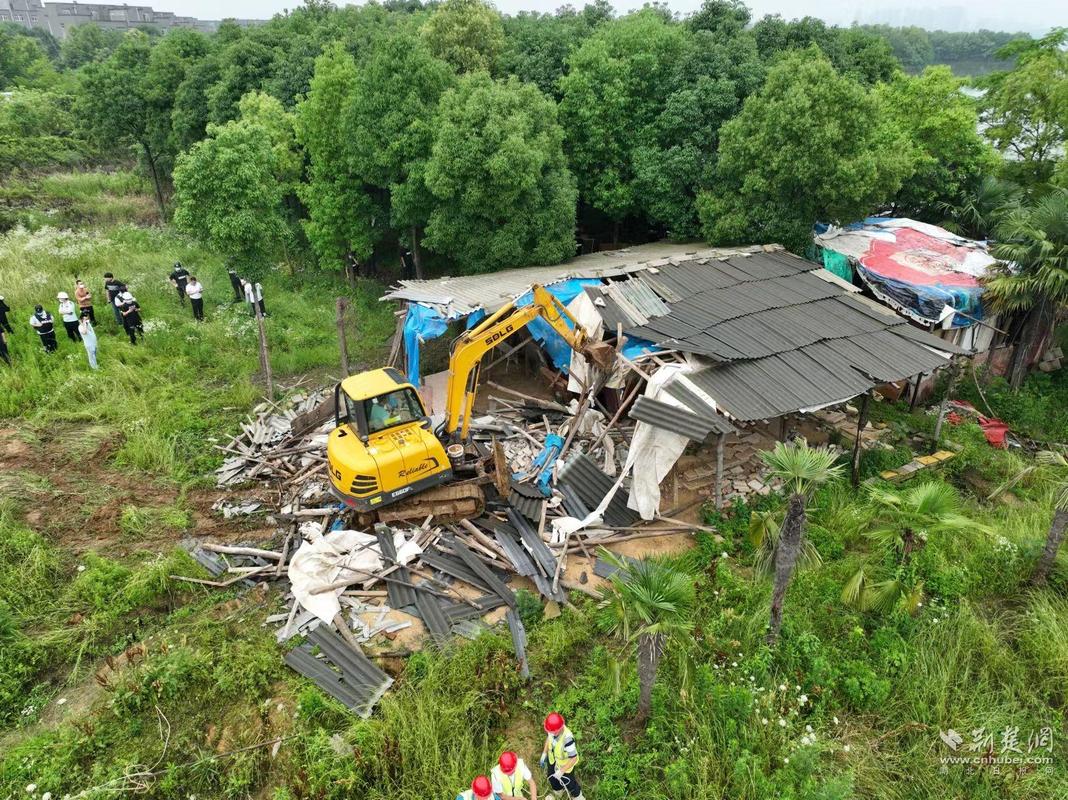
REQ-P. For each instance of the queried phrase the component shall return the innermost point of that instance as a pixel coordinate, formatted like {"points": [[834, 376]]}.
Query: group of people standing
{"points": [[78, 315]]}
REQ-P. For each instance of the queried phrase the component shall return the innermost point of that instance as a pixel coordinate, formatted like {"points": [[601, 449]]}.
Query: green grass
{"points": [[186, 382], [200, 711]]}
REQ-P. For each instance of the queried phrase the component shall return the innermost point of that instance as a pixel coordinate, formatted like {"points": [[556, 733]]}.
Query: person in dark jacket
{"points": [[131, 316], [235, 281], [3, 348], [45, 325], [113, 287], [5, 323], [179, 277]]}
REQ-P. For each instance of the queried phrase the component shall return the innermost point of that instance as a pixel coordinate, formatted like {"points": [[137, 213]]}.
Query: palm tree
{"points": [[802, 469], [903, 521], [1059, 480], [978, 214], [1034, 239], [649, 607]]}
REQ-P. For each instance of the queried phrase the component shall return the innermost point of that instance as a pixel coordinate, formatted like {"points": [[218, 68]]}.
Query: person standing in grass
{"points": [[113, 287], [3, 348], [85, 328], [45, 325], [254, 297], [195, 290], [131, 316], [68, 312], [5, 309], [559, 757], [85, 300], [179, 278], [237, 283], [509, 776]]}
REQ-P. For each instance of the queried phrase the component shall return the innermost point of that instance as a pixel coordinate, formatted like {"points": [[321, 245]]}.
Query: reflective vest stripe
{"points": [[557, 753]]}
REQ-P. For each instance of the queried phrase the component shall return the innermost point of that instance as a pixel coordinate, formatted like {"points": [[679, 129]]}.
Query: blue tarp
{"points": [[421, 324]]}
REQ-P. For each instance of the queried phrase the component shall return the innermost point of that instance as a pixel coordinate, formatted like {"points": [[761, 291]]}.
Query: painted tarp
{"points": [[925, 272]]}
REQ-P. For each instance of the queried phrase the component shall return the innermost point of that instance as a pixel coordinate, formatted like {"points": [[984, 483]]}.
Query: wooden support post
{"points": [[944, 405], [398, 339], [265, 356], [342, 341], [720, 443], [862, 420], [915, 392]]}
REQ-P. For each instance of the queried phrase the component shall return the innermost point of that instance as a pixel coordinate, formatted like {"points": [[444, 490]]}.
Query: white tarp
{"points": [[586, 315], [333, 557], [654, 451]]}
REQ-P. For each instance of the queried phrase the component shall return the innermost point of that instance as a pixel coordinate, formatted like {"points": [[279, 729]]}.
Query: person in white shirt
{"points": [[254, 297], [509, 777], [85, 328], [195, 290], [68, 312]]}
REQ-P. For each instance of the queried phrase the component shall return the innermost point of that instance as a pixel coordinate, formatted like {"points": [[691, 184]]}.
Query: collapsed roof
{"points": [[772, 333]]}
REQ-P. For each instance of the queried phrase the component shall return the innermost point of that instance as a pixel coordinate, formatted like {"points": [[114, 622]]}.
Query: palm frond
{"points": [[647, 596], [884, 595], [800, 466], [762, 526], [854, 588]]}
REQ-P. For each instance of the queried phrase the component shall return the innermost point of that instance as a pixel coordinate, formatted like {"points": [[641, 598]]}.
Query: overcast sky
{"points": [[1035, 16]]}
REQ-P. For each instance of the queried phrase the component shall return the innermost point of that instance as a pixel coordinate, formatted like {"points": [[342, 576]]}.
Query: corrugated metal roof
{"points": [[672, 418], [460, 295]]}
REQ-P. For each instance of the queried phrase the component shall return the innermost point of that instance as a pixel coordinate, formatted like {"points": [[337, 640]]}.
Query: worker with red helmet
{"points": [[509, 776], [559, 757], [481, 789]]}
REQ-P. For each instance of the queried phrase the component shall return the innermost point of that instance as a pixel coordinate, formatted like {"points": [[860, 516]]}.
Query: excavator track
{"points": [[448, 503]]}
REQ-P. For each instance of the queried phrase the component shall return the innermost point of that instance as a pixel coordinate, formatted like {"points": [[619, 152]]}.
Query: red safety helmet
{"points": [[482, 787], [554, 723], [508, 760]]}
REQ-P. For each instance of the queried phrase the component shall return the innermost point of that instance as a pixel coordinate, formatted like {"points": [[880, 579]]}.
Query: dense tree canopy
{"points": [[505, 197], [670, 127], [811, 145]]}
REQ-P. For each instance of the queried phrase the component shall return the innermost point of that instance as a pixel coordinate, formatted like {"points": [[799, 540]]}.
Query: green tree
{"points": [[227, 192], [676, 156], [189, 117], [810, 145], [903, 522], [341, 209], [725, 17], [1054, 472], [616, 87], [243, 67], [853, 52], [85, 44], [537, 46], [1034, 240], [504, 196], [468, 34], [1026, 108], [940, 121], [390, 124], [258, 108], [649, 607], [118, 104], [802, 470], [977, 214], [23, 62]]}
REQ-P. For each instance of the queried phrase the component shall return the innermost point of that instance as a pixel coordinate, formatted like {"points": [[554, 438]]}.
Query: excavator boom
{"points": [[468, 349]]}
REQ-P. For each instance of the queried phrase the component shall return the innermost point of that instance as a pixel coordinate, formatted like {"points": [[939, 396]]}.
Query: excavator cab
{"points": [[383, 447]]}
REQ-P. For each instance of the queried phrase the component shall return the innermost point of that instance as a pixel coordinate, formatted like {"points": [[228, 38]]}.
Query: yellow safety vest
{"points": [[556, 748], [512, 784]]}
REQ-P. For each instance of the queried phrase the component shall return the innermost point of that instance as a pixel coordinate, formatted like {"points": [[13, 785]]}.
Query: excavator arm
{"points": [[468, 349]]}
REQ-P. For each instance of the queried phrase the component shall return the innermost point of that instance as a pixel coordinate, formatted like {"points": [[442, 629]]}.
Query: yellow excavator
{"points": [[385, 447]]}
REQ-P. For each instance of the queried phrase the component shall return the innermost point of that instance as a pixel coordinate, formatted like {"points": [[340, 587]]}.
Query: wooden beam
{"points": [[862, 420], [720, 444]]}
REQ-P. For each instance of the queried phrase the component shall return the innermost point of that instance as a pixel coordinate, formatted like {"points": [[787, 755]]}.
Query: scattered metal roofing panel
{"points": [[360, 684], [539, 551], [930, 340], [433, 616], [679, 420], [400, 595], [573, 504], [592, 486], [529, 507], [519, 642], [482, 605], [513, 549], [475, 565], [453, 567]]}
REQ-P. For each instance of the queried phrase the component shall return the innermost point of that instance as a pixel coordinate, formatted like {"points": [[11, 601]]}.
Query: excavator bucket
{"points": [[600, 353]]}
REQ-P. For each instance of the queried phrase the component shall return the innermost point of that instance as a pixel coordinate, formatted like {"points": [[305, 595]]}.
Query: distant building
{"points": [[58, 18]]}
